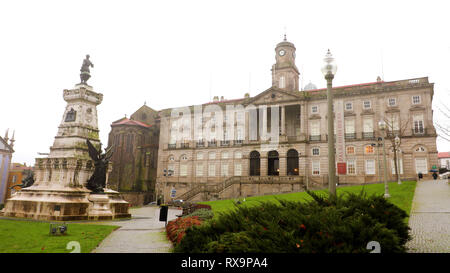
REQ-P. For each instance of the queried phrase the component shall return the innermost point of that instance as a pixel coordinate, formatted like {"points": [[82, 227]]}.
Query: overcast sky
{"points": [[178, 53]]}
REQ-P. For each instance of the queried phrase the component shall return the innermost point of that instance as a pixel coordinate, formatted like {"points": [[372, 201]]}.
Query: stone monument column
{"points": [[59, 191]]}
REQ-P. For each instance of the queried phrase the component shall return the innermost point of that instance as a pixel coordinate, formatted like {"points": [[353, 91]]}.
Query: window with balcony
{"points": [[368, 127], [315, 130], [350, 128], [418, 124]]}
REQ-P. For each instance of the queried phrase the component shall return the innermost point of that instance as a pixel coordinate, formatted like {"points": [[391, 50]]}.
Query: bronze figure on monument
{"points": [[85, 72], [101, 160]]}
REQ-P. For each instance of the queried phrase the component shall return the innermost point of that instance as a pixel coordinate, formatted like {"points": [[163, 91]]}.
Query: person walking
{"points": [[420, 175]]}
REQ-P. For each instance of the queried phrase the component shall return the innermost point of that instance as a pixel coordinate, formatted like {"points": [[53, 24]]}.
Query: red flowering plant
{"points": [[176, 229]]}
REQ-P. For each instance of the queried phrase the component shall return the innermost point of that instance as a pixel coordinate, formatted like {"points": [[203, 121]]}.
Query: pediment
{"points": [[274, 95]]}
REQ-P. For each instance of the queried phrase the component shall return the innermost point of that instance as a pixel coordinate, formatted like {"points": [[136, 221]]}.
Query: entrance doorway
{"points": [[273, 163], [255, 163], [292, 162]]}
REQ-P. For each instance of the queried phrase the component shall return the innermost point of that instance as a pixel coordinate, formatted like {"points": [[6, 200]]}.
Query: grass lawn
{"points": [[401, 196], [20, 236]]}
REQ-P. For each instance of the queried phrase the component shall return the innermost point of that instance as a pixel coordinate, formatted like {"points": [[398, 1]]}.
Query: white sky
{"points": [[173, 53]]}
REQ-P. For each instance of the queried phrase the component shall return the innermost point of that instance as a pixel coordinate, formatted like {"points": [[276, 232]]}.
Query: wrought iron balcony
{"points": [[212, 143], [172, 146], [368, 135], [238, 142], [314, 138], [185, 145], [224, 143], [200, 144], [350, 135]]}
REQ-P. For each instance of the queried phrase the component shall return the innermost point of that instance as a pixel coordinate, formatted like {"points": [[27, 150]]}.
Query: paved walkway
{"points": [[144, 233], [430, 218]]}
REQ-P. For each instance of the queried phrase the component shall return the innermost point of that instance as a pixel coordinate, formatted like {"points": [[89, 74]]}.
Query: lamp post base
{"points": [[387, 195]]}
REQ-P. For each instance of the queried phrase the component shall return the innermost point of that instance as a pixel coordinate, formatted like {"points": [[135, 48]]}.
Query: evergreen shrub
{"points": [[324, 225]]}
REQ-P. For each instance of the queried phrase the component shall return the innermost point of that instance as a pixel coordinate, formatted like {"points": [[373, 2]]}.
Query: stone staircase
{"points": [[221, 186]]}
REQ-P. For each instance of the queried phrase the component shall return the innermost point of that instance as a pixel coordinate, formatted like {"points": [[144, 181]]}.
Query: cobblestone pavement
{"points": [[430, 218], [144, 233]]}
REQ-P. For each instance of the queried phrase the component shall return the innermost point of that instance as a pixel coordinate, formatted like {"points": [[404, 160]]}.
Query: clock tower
{"points": [[285, 74]]}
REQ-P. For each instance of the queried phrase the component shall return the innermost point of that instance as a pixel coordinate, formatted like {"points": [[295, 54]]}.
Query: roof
{"points": [[20, 167], [444, 155], [127, 121]]}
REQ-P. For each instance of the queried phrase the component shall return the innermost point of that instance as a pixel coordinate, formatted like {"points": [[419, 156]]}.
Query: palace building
{"points": [[220, 149]]}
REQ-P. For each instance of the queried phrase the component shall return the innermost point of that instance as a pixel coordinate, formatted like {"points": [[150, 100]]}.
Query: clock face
{"points": [[282, 52]]}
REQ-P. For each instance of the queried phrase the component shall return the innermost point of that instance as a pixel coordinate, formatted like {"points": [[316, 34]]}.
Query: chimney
{"points": [[222, 98], [216, 99], [246, 95]]}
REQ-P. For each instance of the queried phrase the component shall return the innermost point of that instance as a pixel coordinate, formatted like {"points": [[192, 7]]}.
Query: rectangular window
{"points": [[367, 125], [392, 102], [315, 109], [315, 127], [14, 178], [348, 106], [418, 124], [211, 170], [370, 166], [367, 104], [315, 151], [224, 169], [351, 166], [400, 165], [350, 126], [316, 167], [212, 155], [416, 99], [282, 82], [199, 170], [183, 170], [421, 165]]}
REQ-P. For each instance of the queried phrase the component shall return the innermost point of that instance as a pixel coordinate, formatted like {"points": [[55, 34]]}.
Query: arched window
{"points": [[255, 162], [273, 163], [420, 149], [292, 162]]}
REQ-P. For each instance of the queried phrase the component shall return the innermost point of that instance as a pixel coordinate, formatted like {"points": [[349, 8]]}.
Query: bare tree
{"points": [[395, 126]]}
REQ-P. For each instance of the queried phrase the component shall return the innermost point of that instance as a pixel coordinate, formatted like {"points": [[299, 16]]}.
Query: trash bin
{"points": [[163, 213]]}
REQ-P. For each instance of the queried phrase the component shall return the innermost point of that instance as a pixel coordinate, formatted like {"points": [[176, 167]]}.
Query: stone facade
{"points": [[227, 167], [134, 160]]}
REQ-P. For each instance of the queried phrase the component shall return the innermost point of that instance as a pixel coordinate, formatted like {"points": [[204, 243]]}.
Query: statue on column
{"points": [[97, 182], [85, 72]]}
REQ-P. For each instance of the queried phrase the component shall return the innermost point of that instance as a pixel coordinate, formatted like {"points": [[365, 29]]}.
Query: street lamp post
{"points": [[382, 126], [397, 145], [329, 70]]}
